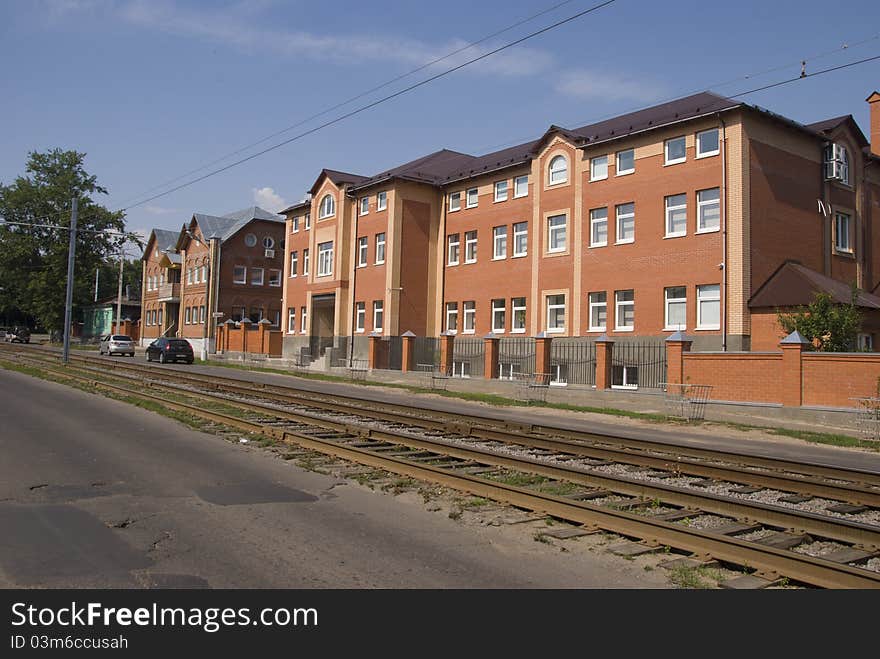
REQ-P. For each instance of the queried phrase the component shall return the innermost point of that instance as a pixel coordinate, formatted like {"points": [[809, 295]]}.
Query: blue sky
{"points": [[151, 89]]}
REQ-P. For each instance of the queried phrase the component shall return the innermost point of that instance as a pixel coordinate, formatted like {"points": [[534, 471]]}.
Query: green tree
{"points": [[33, 259], [829, 326]]}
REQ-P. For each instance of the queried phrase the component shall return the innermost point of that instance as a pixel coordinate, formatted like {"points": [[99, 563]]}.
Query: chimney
{"points": [[874, 101]]}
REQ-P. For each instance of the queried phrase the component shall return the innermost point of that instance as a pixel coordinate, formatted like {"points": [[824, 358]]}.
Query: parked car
{"points": [[170, 350], [18, 335], [118, 343]]}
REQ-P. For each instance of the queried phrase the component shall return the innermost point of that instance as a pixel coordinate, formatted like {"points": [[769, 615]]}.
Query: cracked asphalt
{"points": [[98, 493]]}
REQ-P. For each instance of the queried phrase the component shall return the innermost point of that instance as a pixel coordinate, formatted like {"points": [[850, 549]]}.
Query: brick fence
{"points": [[244, 338]]}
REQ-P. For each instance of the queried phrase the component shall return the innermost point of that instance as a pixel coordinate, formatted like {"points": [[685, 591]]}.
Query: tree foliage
{"points": [[33, 259], [829, 326]]}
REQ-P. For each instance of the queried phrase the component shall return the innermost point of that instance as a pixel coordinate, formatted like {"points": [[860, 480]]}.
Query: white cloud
{"points": [[160, 210], [585, 84], [268, 199]]}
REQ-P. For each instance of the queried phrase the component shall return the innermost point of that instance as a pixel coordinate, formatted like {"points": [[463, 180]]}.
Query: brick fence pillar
{"points": [[543, 344], [244, 325], [447, 348], [228, 328], [264, 326], [676, 345], [491, 344], [406, 357], [604, 355], [792, 380], [373, 351]]}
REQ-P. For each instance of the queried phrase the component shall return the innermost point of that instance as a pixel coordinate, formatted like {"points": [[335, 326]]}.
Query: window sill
{"points": [[847, 253], [601, 178], [521, 196], [360, 331], [470, 262], [468, 331], [598, 329], [625, 173], [713, 230], [454, 210], [557, 183], [278, 285], [518, 331], [605, 244], [498, 201], [624, 329], [707, 155], [707, 329], [329, 274], [499, 258], [555, 330], [674, 235], [628, 241], [474, 206], [674, 329], [674, 162], [379, 263], [451, 264], [519, 256]]}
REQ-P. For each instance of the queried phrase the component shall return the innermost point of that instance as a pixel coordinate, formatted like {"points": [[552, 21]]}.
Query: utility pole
{"points": [[97, 274], [68, 303], [119, 291]]}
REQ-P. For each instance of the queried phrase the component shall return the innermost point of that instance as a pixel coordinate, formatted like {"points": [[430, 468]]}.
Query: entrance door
{"points": [[323, 322]]}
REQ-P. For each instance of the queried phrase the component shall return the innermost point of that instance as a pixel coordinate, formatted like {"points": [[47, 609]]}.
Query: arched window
{"points": [[328, 207], [268, 242], [558, 170]]}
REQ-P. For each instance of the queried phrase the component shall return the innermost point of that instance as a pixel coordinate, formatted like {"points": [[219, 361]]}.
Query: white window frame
{"points": [[558, 375], [837, 163], [470, 246], [472, 197], [294, 262], [202, 314], [669, 214], [598, 217], [561, 173], [624, 172], [272, 280], [596, 303], [706, 154], [189, 279], [499, 243], [520, 229], [303, 319], [187, 316], [469, 317], [674, 161], [552, 229], [363, 251], [620, 215], [554, 306], [619, 304], [382, 200], [452, 314], [360, 315], [268, 242], [454, 201], [514, 309], [702, 205], [235, 278], [668, 301], [295, 225], [308, 221], [327, 207], [306, 261], [365, 205], [453, 240], [842, 222], [499, 307], [325, 259], [380, 248], [291, 320], [500, 188], [521, 183], [594, 164], [262, 276], [704, 295]]}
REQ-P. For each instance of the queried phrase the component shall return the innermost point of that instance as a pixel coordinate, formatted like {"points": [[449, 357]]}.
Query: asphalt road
{"points": [[97, 493]]}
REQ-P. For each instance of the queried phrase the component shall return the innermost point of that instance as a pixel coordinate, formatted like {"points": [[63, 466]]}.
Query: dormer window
{"points": [[328, 207], [837, 163]]}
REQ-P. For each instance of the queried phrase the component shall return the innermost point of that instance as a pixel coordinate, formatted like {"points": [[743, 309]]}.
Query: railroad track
{"points": [[574, 480]]}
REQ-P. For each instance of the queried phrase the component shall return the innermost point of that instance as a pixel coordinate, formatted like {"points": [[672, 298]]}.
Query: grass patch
{"points": [[695, 577], [517, 479], [818, 437], [77, 346]]}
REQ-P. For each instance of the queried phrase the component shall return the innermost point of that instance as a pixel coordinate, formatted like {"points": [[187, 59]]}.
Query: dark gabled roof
{"points": [[509, 157], [794, 284], [226, 226], [338, 178], [823, 128], [305, 203], [432, 169], [165, 240]]}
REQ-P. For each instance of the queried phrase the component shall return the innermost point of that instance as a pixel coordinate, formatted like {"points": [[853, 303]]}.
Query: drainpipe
{"points": [[354, 268], [443, 255], [723, 233]]}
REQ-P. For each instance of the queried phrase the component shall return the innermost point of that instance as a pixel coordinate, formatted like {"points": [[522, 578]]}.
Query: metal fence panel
{"points": [[516, 356], [638, 365], [395, 353], [573, 361], [467, 357], [426, 350]]}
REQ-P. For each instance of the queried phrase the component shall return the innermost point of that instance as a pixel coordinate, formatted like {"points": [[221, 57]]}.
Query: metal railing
{"points": [[868, 418], [638, 365], [426, 350], [467, 357], [573, 361], [686, 401], [516, 356]]}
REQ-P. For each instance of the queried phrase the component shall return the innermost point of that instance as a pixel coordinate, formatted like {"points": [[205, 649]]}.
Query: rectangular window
{"points": [[598, 227], [363, 248], [842, 242], [365, 205], [598, 168], [708, 210], [274, 277], [624, 377], [473, 197], [295, 225], [624, 311], [675, 150], [452, 317], [499, 243], [461, 369], [380, 248], [291, 320], [202, 314], [381, 201], [626, 223], [238, 313], [159, 322], [470, 247], [325, 259], [556, 233], [256, 276], [469, 322], [360, 316], [709, 307], [518, 310], [598, 311], [499, 316], [187, 316], [305, 261], [204, 274], [675, 298], [520, 186], [707, 143], [454, 201], [500, 190], [303, 319], [555, 313], [676, 215], [520, 238], [626, 162], [837, 163], [308, 221], [452, 249], [276, 319], [256, 314], [189, 276], [294, 263]]}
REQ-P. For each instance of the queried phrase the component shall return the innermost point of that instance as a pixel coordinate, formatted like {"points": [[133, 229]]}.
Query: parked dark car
{"points": [[170, 350], [19, 335]]}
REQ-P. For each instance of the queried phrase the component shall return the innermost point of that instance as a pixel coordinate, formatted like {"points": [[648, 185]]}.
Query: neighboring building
{"points": [[98, 317], [160, 288], [670, 218], [223, 267]]}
